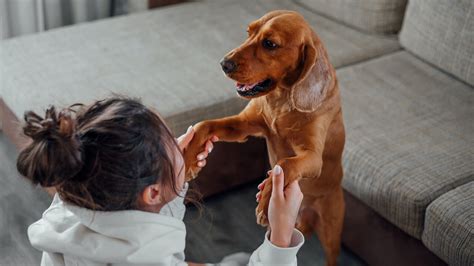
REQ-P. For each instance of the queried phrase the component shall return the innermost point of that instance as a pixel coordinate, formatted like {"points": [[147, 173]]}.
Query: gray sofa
{"points": [[408, 105]]}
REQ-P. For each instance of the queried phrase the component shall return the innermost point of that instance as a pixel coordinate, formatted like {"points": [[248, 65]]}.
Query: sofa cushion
{"points": [[169, 57], [373, 16], [409, 136], [449, 226], [442, 33]]}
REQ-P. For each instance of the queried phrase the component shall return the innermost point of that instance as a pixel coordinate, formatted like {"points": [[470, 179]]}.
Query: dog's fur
{"points": [[299, 116]]}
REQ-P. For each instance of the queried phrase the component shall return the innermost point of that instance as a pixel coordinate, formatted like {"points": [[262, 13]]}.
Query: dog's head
{"points": [[281, 51]]}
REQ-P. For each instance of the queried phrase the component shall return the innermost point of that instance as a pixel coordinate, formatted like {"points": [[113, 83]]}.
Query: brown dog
{"points": [[284, 68]]}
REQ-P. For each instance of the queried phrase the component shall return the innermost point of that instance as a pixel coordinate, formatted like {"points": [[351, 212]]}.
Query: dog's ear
{"points": [[309, 90]]}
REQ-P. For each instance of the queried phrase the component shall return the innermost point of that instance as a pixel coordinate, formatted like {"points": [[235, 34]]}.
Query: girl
{"points": [[119, 176]]}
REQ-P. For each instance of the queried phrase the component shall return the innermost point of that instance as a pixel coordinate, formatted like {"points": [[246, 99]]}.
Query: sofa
{"points": [[406, 74]]}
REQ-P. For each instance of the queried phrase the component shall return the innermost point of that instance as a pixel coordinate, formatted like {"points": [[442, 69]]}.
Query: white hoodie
{"points": [[70, 235]]}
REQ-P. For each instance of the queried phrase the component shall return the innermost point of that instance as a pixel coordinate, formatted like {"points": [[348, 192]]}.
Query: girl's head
{"points": [[115, 154]]}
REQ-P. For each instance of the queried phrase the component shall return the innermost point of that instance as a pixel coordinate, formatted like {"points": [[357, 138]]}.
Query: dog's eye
{"points": [[267, 44]]}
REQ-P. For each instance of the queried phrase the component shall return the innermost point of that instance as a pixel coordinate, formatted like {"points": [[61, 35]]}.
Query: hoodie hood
{"points": [[133, 237]]}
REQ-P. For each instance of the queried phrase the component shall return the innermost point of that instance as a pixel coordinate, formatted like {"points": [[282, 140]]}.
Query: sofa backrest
{"points": [[372, 16], [442, 33]]}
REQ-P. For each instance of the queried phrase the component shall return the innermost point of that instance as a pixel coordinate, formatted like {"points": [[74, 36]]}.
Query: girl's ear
{"points": [[152, 196]]}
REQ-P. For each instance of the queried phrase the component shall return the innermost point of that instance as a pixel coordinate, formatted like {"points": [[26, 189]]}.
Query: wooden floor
{"points": [[227, 224]]}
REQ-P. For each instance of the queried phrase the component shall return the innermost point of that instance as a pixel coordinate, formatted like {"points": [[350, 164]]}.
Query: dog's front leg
{"points": [[235, 128], [306, 163]]}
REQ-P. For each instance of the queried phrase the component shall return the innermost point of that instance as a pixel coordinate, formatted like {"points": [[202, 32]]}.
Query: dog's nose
{"points": [[228, 66]]}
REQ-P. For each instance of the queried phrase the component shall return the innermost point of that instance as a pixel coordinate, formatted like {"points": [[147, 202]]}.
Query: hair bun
{"points": [[51, 125], [55, 155]]}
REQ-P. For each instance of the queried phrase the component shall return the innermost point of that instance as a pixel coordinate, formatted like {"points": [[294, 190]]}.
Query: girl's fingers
{"points": [[278, 179], [185, 139], [209, 146], [261, 185], [201, 163], [202, 156], [258, 196], [214, 138]]}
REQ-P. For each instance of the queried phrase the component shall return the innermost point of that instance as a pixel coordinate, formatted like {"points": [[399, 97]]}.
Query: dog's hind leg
{"points": [[328, 225], [307, 217]]}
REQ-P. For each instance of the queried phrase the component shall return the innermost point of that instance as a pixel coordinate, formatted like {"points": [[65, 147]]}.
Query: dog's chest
{"points": [[281, 121], [278, 137], [283, 126]]}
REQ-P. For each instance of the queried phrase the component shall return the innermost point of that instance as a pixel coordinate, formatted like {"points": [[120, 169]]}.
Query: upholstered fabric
{"points": [[169, 57], [373, 16], [442, 33], [449, 226], [409, 136]]}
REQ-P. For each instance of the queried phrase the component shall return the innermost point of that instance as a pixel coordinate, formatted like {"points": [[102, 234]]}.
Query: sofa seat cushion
{"points": [[442, 33], [169, 57], [449, 226], [373, 16], [409, 136]]}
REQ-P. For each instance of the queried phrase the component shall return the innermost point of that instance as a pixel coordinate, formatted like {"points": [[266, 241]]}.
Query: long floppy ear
{"points": [[310, 88]]}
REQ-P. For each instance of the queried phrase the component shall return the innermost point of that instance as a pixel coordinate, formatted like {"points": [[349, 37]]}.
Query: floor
{"points": [[225, 225]]}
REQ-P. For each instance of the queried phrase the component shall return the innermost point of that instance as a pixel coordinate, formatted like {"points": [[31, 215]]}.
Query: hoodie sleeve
{"points": [[269, 255]]}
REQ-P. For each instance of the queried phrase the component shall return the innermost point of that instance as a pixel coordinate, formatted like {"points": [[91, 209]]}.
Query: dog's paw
{"points": [[262, 218], [261, 212], [190, 163], [196, 146], [191, 173]]}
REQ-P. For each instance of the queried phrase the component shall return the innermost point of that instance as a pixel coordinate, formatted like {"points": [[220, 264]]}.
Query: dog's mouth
{"points": [[255, 89]]}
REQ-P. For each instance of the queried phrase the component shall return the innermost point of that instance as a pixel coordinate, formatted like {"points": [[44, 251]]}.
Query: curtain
{"points": [[18, 17]]}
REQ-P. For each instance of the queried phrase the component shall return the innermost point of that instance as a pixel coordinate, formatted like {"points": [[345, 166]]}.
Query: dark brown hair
{"points": [[99, 156]]}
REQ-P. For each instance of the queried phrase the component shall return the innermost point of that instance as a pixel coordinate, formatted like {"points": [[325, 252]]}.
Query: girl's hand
{"points": [[185, 139], [283, 209]]}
